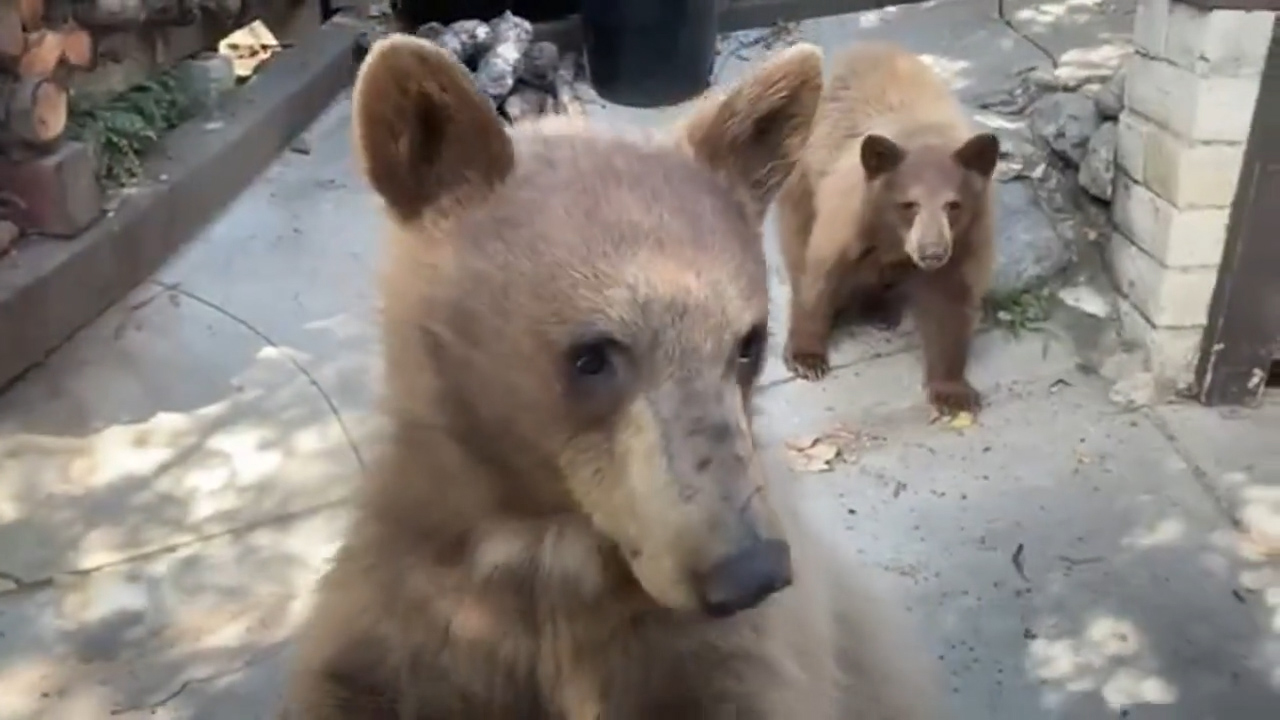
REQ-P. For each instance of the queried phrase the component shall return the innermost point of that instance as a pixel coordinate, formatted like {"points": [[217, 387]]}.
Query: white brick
{"points": [[1176, 238], [1171, 353], [1202, 109], [1168, 297], [1218, 42], [1130, 139], [1187, 174], [1151, 26]]}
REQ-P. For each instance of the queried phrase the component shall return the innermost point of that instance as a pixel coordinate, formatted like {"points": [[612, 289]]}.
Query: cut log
{"points": [[32, 111], [78, 47], [42, 54], [31, 12], [12, 41]]}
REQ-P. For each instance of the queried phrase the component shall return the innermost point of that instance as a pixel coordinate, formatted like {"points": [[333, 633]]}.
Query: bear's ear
{"points": [[880, 155], [422, 131], [753, 134], [979, 154]]}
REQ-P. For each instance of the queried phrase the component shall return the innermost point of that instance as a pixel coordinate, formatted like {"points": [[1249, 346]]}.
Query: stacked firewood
{"points": [[521, 77], [33, 54]]}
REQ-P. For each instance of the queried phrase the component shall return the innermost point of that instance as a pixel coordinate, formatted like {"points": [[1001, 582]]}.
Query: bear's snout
{"points": [[933, 257], [746, 578]]}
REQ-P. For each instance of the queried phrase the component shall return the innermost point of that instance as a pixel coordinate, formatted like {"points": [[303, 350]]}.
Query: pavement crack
{"points": [[201, 679], [1053, 61], [324, 395], [10, 577]]}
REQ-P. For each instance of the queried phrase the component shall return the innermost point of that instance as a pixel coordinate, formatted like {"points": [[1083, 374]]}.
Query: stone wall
{"points": [[1192, 84]]}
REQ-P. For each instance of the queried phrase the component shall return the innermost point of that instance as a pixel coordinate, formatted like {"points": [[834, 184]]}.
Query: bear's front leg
{"points": [[943, 307], [809, 337], [814, 296]]}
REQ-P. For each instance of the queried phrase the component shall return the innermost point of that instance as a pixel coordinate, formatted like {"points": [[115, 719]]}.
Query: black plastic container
{"points": [[648, 53], [412, 14]]}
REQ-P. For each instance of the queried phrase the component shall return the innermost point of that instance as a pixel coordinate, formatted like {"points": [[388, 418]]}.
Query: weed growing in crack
{"points": [[1017, 313]]}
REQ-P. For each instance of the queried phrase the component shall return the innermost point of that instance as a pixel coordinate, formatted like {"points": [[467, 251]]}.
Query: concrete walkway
{"points": [[175, 477]]}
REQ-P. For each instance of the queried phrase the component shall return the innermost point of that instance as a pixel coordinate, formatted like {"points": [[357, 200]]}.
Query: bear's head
{"points": [[574, 323], [924, 193]]}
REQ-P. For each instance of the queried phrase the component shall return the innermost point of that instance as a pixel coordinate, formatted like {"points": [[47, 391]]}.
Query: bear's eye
{"points": [[592, 358], [751, 346], [952, 206], [909, 207]]}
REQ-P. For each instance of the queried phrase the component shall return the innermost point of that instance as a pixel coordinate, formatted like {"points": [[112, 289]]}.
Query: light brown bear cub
{"points": [[569, 519], [890, 204]]}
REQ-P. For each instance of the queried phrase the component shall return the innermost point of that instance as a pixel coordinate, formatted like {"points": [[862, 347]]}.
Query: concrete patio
{"points": [[177, 475]]}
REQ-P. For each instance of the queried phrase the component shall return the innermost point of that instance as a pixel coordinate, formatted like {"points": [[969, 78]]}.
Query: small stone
{"points": [[300, 145], [539, 66], [1110, 97], [1097, 172], [1065, 121], [1136, 391]]}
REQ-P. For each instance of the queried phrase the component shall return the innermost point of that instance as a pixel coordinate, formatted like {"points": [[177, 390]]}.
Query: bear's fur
{"points": [[573, 325], [890, 204]]}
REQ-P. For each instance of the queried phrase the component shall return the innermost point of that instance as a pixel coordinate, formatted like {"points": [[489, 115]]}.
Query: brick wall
{"points": [[1189, 99]]}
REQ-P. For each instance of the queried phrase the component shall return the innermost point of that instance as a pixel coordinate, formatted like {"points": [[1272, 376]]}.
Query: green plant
{"points": [[1019, 312], [123, 128]]}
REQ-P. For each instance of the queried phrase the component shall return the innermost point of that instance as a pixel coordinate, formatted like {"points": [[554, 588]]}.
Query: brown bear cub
{"points": [[890, 204], [569, 519]]}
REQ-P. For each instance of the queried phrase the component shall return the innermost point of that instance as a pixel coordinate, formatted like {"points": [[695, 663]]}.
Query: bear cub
{"points": [[569, 516], [890, 208]]}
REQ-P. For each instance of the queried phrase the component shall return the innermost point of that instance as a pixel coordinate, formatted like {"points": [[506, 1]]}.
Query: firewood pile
{"points": [[521, 77], [34, 54]]}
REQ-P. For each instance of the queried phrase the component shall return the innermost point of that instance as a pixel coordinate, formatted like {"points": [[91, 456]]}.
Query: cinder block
{"points": [[59, 192], [1168, 297], [1171, 353], [1151, 26], [1213, 109], [1187, 174], [1217, 43], [1176, 238]]}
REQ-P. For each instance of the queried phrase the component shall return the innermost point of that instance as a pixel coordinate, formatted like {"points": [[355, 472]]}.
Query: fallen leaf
{"points": [[961, 420], [817, 453]]}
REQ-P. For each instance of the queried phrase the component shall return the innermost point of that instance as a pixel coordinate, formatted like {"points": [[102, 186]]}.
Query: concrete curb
{"points": [[50, 288]]}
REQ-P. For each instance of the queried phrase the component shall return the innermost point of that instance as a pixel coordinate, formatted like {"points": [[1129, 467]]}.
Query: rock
{"points": [[1065, 121], [1087, 300], [475, 38], [1028, 250], [445, 38], [538, 68], [1137, 390], [1097, 172], [526, 102], [508, 28], [206, 79], [499, 68], [1110, 97]]}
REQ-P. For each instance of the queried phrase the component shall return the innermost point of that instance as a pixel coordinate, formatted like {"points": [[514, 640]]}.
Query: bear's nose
{"points": [[746, 578], [933, 258]]}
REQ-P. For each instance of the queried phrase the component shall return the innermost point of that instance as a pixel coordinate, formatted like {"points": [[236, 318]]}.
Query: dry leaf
{"points": [[817, 453], [961, 420]]}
